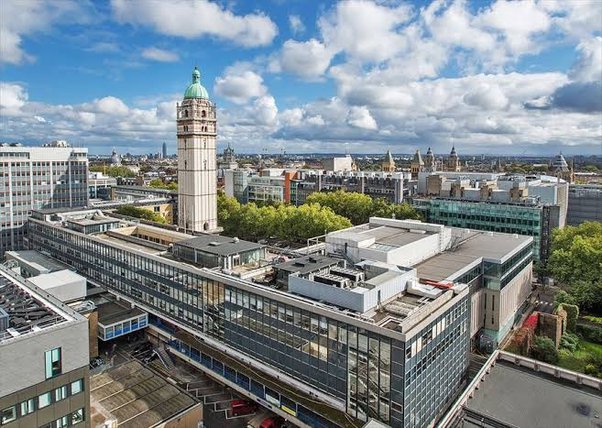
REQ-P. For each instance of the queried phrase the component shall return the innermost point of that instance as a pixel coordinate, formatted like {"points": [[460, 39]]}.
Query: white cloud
{"points": [[308, 59], [197, 19], [161, 55], [12, 98], [265, 110], [486, 96], [19, 19], [360, 117], [296, 24], [240, 83], [588, 67], [364, 30]]}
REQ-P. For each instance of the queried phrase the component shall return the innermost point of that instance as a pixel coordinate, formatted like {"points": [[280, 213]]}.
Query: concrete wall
{"points": [[550, 325], [477, 312], [22, 358]]}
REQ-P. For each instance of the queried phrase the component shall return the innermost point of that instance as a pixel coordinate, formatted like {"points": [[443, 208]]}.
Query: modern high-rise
{"points": [[197, 182], [53, 176], [585, 203], [164, 150], [381, 330], [43, 358]]}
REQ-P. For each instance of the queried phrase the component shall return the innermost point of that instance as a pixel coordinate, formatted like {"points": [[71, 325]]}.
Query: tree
{"points": [[576, 262], [543, 349], [113, 171], [157, 183], [283, 221], [143, 213], [358, 208]]}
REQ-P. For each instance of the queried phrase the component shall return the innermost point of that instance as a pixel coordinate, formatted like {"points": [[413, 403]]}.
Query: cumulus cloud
{"points": [[12, 98], [308, 59], [360, 117], [588, 67], [21, 19], [239, 83], [197, 19], [160, 55]]}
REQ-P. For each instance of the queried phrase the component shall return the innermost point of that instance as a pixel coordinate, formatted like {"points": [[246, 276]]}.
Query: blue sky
{"points": [[490, 77]]}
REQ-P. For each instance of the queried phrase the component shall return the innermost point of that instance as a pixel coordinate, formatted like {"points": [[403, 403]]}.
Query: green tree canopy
{"points": [[143, 213], [358, 208], [157, 183], [283, 221], [576, 262], [113, 171]]}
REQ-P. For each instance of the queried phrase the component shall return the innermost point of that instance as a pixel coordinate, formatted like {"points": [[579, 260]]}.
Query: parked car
{"points": [[242, 407], [272, 422]]}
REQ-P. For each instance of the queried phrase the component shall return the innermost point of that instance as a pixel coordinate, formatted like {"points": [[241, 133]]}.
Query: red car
{"points": [[242, 407], [273, 422]]}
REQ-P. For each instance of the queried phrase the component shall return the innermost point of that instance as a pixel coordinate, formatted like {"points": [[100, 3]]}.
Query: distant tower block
{"points": [[197, 183]]}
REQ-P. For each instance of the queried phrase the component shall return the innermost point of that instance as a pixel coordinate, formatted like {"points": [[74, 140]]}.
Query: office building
{"points": [[53, 176], [387, 337], [585, 203], [279, 185], [526, 205], [197, 182], [164, 150], [100, 185], [339, 163], [44, 367]]}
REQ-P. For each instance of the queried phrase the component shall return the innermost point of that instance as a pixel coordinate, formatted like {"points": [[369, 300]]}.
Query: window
{"points": [[77, 386], [60, 393], [44, 400], [27, 407], [77, 417], [62, 422], [9, 414], [53, 362]]}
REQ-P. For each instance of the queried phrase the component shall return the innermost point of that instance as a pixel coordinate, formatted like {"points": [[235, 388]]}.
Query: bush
{"points": [[590, 332], [591, 369], [569, 342], [543, 349], [592, 319], [143, 213], [572, 312]]}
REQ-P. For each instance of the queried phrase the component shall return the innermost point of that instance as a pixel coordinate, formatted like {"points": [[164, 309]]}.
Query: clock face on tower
{"points": [[197, 176]]}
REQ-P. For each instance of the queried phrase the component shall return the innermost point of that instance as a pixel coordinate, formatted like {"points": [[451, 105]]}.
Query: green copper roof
{"points": [[195, 89]]}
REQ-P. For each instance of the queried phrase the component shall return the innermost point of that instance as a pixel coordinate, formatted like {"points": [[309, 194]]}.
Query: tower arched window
{"points": [[205, 164], [203, 113], [185, 113], [185, 164]]}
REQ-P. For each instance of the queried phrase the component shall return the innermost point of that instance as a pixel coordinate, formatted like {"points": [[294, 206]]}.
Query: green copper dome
{"points": [[195, 89]]}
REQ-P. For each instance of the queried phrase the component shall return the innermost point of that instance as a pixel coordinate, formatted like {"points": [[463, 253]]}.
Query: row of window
{"points": [[29, 406], [67, 421]]}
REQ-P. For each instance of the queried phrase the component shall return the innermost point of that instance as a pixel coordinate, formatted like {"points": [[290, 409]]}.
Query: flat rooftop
{"points": [[308, 264], [28, 312], [37, 260], [112, 312], [135, 396], [219, 245], [466, 248], [385, 237], [524, 398]]}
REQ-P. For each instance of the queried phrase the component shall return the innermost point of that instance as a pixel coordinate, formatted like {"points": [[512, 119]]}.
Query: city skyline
{"points": [[522, 78]]}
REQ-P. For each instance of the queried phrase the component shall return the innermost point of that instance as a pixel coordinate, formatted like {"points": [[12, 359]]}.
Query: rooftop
{"points": [[136, 396], [219, 245], [525, 398], [110, 313], [36, 260], [27, 308], [308, 264], [467, 247]]}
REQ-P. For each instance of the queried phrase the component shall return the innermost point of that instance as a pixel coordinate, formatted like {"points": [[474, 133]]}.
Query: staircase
{"points": [[165, 358]]}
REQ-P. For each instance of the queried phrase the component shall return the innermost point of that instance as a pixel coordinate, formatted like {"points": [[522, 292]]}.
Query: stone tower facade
{"points": [[453, 161], [197, 181], [417, 164], [388, 164]]}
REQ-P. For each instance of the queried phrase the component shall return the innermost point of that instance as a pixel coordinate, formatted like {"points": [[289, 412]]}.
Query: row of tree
{"points": [[157, 183], [358, 208], [282, 221], [576, 263], [113, 171], [142, 213]]}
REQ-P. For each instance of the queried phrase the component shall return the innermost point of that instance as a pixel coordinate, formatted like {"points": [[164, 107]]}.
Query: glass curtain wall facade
{"points": [[365, 369], [506, 218]]}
